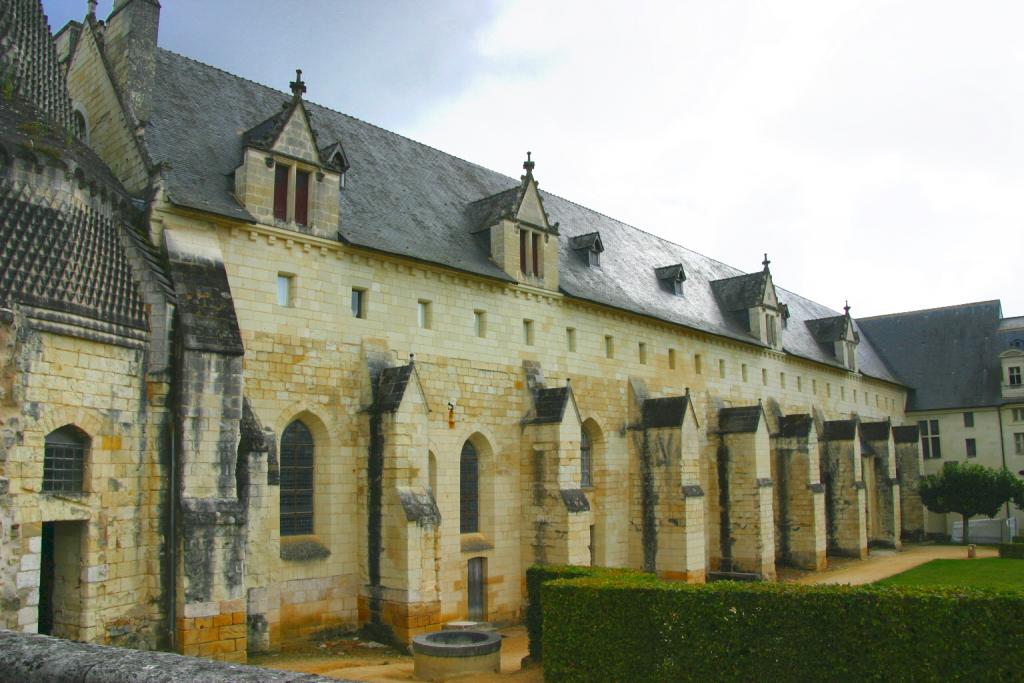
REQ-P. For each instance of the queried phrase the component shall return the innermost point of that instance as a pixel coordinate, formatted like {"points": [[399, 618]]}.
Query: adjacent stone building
{"points": [[269, 370]]}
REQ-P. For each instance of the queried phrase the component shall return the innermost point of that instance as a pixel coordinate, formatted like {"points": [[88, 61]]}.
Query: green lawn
{"points": [[991, 572]]}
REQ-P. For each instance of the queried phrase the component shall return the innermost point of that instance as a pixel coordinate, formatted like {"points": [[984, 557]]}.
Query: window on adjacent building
{"points": [[570, 338], [586, 461], [528, 332], [64, 460], [358, 303], [968, 419], [480, 323], [609, 346], [1014, 375], [930, 446], [1018, 443], [423, 314], [281, 176], [671, 359], [285, 289], [469, 490], [297, 466], [1018, 414], [641, 352], [302, 197], [971, 447]]}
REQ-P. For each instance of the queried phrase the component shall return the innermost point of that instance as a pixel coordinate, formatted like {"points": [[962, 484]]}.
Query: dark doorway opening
{"points": [[46, 576], [60, 580]]}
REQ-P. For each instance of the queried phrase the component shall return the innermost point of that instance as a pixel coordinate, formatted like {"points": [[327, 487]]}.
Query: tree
{"points": [[969, 490]]}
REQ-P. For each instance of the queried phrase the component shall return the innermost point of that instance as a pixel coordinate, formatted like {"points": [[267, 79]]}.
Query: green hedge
{"points": [[1012, 550], [539, 574], [604, 629]]}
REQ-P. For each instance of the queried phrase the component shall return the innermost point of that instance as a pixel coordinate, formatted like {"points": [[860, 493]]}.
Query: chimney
{"points": [[130, 48]]}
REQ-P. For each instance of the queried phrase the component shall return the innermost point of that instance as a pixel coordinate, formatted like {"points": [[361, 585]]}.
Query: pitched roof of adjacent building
{"points": [[405, 198], [949, 355]]}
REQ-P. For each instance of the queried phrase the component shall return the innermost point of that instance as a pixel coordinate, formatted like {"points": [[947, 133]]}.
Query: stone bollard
{"points": [[972, 551]]}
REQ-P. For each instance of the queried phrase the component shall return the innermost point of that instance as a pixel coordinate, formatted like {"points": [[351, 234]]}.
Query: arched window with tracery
{"points": [[64, 460], [297, 461], [469, 490], [586, 460]]}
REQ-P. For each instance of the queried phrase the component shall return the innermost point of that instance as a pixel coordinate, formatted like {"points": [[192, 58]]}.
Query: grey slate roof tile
{"points": [[949, 355], [664, 412], [875, 431], [550, 405], [28, 59], [795, 425], [739, 420], [403, 197], [839, 430], [391, 389]]}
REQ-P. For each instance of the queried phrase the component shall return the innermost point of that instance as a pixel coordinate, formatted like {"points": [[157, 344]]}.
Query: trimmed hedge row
{"points": [[607, 629], [539, 574], [1012, 550]]}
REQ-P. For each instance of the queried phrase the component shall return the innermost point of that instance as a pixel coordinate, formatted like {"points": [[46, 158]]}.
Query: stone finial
{"points": [[766, 261], [298, 86], [528, 164], [846, 308], [91, 4]]}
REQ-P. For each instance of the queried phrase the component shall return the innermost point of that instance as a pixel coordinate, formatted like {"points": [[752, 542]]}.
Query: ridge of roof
{"points": [[987, 302]]}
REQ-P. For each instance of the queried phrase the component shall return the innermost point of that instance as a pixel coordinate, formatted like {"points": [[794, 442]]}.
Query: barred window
{"points": [[586, 451], [64, 460], [469, 490], [297, 459]]}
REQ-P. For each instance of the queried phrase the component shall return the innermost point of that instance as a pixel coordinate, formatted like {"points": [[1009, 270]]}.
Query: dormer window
{"points": [[671, 278], [531, 259], [590, 247], [284, 176], [770, 331]]}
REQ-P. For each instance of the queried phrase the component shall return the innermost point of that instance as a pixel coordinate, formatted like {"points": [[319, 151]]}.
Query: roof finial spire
{"points": [[91, 4], [298, 86], [847, 307], [528, 164], [766, 261]]}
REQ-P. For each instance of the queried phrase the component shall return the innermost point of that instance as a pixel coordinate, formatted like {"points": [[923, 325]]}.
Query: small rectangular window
{"points": [[358, 302], [1018, 414], [854, 395], [281, 175], [814, 387], [721, 368], [799, 383], [570, 338], [284, 289], [423, 314], [698, 364], [1018, 443], [842, 393], [968, 419], [828, 389], [641, 352], [302, 197], [764, 376], [536, 254], [480, 323], [971, 447], [671, 359], [609, 346], [743, 372], [528, 332], [1014, 374], [782, 380], [931, 448]]}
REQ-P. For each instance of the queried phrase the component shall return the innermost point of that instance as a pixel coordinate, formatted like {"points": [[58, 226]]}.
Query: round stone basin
{"points": [[445, 654]]}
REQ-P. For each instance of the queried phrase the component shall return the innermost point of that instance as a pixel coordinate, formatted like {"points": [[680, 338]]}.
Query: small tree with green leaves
{"points": [[969, 490]]}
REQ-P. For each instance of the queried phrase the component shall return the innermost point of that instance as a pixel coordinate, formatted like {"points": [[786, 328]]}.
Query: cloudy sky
{"points": [[875, 150]]}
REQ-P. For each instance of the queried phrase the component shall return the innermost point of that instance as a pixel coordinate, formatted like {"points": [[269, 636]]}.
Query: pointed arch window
{"points": [[297, 461], [469, 490], [64, 460]]}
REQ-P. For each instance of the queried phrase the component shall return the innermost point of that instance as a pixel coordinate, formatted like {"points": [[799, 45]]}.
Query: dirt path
{"points": [[882, 564]]}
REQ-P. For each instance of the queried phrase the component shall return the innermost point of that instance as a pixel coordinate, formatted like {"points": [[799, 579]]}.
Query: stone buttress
{"points": [[799, 496], [842, 475], [883, 489], [906, 444]]}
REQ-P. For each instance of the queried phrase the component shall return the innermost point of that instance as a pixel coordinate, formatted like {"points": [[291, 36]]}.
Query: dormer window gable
{"points": [[751, 301], [589, 247], [838, 334], [671, 278], [286, 178], [515, 228]]}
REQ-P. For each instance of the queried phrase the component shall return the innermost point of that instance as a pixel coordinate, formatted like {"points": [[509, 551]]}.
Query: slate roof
{"points": [[28, 60], [798, 424], [875, 431], [828, 330], [391, 388], [905, 434], [950, 355], [550, 405], [839, 430], [405, 198], [664, 412], [739, 420], [740, 292]]}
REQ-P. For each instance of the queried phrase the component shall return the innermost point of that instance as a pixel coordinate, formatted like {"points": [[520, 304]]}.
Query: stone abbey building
{"points": [[266, 369]]}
